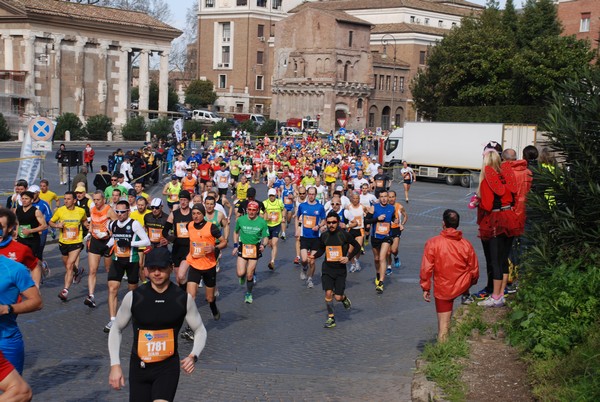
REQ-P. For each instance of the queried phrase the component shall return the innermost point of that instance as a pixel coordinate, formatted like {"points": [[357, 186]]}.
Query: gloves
{"points": [[122, 243]]}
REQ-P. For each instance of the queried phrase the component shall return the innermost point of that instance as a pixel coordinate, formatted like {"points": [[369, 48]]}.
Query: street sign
{"points": [[41, 129], [378, 130], [45, 146], [342, 122], [342, 130]]}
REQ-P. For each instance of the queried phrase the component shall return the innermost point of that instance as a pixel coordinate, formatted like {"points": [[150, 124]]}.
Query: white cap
{"points": [[34, 189], [339, 188], [272, 191], [156, 202]]}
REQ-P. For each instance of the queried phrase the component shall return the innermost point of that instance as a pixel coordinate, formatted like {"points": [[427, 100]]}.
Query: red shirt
{"points": [[20, 253], [204, 169]]}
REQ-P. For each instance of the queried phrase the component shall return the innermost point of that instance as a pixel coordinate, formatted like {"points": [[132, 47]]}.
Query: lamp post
{"points": [[384, 41], [277, 80]]}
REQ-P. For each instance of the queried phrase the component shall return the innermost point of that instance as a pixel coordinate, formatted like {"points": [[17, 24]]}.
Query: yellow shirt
{"points": [[330, 172], [273, 212], [49, 196], [138, 216], [71, 233], [242, 191]]}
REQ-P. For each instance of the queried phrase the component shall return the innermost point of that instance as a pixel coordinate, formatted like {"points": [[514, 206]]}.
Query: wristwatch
{"points": [[195, 358], [10, 308]]}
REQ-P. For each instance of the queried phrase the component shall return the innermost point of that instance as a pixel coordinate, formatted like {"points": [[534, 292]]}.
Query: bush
{"points": [[71, 122], [223, 127], [248, 126], [134, 129], [161, 127], [195, 126], [4, 129], [269, 128], [97, 127], [493, 114]]}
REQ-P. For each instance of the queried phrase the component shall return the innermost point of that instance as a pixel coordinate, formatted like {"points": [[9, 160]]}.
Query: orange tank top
{"points": [[398, 214], [199, 239], [188, 184], [99, 222]]}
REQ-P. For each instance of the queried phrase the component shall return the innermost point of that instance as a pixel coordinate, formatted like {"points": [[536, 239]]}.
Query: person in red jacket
{"points": [[88, 157], [451, 261]]}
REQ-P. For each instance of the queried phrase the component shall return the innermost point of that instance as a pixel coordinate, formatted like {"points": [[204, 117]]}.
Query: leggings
{"points": [[154, 381], [496, 252]]}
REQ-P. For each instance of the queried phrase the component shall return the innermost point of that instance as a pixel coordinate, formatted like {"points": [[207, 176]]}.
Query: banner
{"points": [[178, 128], [29, 168]]}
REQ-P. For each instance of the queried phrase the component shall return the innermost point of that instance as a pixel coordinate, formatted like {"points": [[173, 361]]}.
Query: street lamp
{"points": [[277, 80], [384, 41]]}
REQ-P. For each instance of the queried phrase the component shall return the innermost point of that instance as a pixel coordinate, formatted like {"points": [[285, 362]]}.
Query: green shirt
{"points": [[109, 190], [251, 231], [234, 167]]}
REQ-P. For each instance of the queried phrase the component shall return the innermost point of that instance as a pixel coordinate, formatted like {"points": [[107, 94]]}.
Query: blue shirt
{"points": [[14, 280], [377, 228], [46, 211], [278, 183], [310, 216]]}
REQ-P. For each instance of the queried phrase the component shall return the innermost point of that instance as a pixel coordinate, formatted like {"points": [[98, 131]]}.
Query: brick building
{"points": [[581, 18], [58, 57]]}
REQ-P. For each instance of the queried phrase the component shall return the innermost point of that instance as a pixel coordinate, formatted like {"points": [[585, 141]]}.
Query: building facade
{"points": [[58, 57], [582, 19]]}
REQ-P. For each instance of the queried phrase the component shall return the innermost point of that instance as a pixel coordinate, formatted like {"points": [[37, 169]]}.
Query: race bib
{"points": [[154, 234], [274, 216], [173, 197], [21, 235], [309, 222], [249, 251], [382, 228], [359, 222], [155, 346], [182, 230], [197, 250], [287, 200], [204, 173], [333, 253], [70, 233], [99, 230], [379, 183], [123, 252]]}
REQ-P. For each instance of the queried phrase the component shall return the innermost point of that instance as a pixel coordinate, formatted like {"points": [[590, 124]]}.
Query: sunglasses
{"points": [[113, 179], [301, 193], [121, 212], [331, 222], [154, 207], [335, 203]]}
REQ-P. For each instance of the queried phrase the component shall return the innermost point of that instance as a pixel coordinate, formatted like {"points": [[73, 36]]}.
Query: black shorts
{"points": [[154, 381], [309, 243], [409, 182], [396, 232], [223, 191], [274, 231], [356, 233], [204, 181], [179, 254], [33, 244], [119, 267], [376, 243], [334, 279], [235, 177], [258, 253], [172, 204], [65, 249], [99, 247], [209, 276]]}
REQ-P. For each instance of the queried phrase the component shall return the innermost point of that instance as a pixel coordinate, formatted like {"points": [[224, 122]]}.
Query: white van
{"points": [[206, 116]]}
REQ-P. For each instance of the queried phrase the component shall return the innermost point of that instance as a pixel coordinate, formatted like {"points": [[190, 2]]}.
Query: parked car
{"points": [[186, 113], [206, 116], [291, 131], [232, 122]]}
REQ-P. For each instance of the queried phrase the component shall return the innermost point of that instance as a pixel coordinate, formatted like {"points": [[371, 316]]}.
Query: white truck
{"points": [[451, 151]]}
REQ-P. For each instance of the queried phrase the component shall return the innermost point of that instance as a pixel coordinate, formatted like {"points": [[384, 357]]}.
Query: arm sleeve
{"points": [[370, 218], [166, 229], [321, 248], [143, 239], [116, 332], [195, 322]]}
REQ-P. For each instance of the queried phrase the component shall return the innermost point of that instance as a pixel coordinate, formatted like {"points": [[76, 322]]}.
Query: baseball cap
{"points": [[158, 257], [80, 189], [156, 202], [185, 194], [131, 192], [173, 177], [339, 188], [199, 207], [272, 191], [34, 189]]}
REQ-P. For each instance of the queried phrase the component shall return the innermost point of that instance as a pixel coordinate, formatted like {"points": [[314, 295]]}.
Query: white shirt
{"points": [[180, 168], [357, 183], [126, 170], [368, 199]]}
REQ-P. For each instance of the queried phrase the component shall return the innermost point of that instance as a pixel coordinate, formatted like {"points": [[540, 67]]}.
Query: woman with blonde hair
{"points": [[497, 222]]}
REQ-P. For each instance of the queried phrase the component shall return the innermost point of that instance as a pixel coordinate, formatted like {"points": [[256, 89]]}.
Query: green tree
{"points": [[161, 127], [510, 19], [269, 127], [134, 129], [69, 121], [200, 94], [153, 96], [4, 129], [539, 19], [97, 127]]}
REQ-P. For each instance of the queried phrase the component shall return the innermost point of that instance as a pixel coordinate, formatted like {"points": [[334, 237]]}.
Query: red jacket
{"points": [[452, 262], [88, 156], [523, 177]]}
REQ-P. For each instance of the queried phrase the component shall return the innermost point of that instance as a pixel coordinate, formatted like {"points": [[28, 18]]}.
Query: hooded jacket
{"points": [[452, 262]]}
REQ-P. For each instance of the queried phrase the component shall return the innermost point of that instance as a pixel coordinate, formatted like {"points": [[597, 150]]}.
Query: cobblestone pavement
{"points": [[275, 349]]}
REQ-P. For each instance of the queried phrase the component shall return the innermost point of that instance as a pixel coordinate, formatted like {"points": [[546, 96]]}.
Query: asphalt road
{"points": [[273, 349]]}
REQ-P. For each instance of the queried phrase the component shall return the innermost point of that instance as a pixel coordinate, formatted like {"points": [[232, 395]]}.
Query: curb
{"points": [[421, 389]]}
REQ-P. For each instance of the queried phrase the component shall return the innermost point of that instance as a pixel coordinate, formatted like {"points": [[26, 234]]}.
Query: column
{"points": [[103, 77], [79, 76], [123, 99], [144, 81], [55, 74], [163, 90], [8, 52], [29, 67]]}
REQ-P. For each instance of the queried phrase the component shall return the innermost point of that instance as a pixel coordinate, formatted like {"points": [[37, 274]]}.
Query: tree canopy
{"points": [[500, 58], [200, 94]]}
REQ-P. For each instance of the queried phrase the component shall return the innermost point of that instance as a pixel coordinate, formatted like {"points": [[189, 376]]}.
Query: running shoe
{"points": [[63, 294], [217, 316], [512, 288], [248, 298], [491, 302], [303, 274], [309, 283], [297, 260], [45, 269], [366, 240], [188, 334], [78, 274], [330, 323], [379, 288], [271, 266], [90, 302], [362, 250], [397, 262], [218, 266], [466, 299], [358, 267], [482, 294], [347, 303], [352, 267], [217, 293], [283, 236], [242, 280], [388, 271], [108, 326]]}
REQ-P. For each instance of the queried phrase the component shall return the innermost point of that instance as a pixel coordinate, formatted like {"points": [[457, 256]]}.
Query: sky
{"points": [[178, 10]]}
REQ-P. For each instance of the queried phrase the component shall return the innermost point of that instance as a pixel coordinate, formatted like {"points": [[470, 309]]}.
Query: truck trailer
{"points": [[451, 151]]}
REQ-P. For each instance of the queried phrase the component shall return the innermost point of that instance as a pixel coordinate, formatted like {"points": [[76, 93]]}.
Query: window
{"points": [[381, 81], [209, 3], [261, 3], [260, 83], [422, 57], [261, 31], [401, 86], [242, 2], [426, 21], [387, 82], [350, 34], [225, 31], [222, 81], [375, 80], [453, 24], [258, 108], [394, 84], [440, 23], [584, 26], [277, 4], [359, 104], [225, 55], [239, 107], [412, 19], [371, 119]]}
